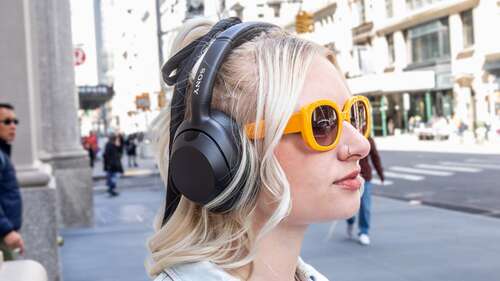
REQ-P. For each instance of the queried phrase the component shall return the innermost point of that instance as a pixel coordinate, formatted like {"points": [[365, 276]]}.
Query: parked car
{"points": [[437, 129]]}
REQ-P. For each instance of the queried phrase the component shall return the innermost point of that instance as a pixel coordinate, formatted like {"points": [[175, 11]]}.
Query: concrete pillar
{"points": [[456, 36], [18, 87], [400, 51], [60, 134], [380, 54]]}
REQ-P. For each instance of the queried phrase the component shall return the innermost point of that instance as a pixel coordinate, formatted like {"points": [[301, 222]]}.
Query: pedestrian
{"points": [[131, 147], [256, 149], [112, 163], [364, 215], [90, 144], [11, 240]]}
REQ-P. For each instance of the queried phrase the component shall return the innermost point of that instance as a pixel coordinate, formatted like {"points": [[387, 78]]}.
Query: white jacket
{"points": [[207, 271]]}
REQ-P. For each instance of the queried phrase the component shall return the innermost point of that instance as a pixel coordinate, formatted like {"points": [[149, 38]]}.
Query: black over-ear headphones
{"points": [[205, 153]]}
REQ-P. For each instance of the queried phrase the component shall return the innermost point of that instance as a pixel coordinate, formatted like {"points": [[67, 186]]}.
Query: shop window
{"points": [[468, 28], [430, 41]]}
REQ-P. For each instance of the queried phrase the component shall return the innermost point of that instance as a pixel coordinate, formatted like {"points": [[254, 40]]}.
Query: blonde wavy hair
{"points": [[260, 80]]}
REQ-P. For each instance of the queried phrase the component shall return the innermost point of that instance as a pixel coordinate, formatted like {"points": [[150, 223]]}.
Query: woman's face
{"points": [[316, 178]]}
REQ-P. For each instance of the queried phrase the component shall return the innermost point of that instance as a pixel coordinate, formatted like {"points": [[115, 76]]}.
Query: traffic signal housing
{"points": [[162, 99], [142, 102], [304, 22]]}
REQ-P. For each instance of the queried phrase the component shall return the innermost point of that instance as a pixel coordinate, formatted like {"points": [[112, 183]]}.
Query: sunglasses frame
{"points": [[300, 122], [10, 121]]}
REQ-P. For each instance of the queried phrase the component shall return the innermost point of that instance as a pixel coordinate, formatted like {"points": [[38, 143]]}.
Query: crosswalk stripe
{"points": [[420, 171], [448, 168], [403, 176], [473, 165], [378, 182], [482, 161]]}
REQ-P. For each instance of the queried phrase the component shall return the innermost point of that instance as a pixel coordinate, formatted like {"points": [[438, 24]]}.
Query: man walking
{"points": [[113, 163], [366, 201], [10, 196]]}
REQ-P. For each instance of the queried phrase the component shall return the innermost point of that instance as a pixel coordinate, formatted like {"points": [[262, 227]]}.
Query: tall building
{"points": [[416, 60], [127, 60]]}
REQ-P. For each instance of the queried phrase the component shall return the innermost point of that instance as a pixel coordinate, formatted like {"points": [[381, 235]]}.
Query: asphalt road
{"points": [[410, 242], [463, 182]]}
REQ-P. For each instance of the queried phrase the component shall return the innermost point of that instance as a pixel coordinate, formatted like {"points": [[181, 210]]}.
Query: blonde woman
{"points": [[299, 136]]}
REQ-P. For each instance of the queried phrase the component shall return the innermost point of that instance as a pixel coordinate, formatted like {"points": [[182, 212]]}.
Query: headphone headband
{"points": [[207, 72]]}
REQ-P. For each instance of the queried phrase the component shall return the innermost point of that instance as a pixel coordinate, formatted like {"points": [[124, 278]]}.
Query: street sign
{"points": [[80, 56]]}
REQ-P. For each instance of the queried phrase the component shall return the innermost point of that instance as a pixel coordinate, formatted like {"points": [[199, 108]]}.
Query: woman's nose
{"points": [[353, 145]]}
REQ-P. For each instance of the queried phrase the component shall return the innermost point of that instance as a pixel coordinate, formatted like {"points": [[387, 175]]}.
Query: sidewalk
{"points": [[409, 242], [146, 167], [411, 143]]}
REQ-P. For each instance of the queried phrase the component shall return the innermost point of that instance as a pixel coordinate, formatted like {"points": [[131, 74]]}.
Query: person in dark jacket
{"points": [[10, 195], [364, 210], [131, 147], [113, 163]]}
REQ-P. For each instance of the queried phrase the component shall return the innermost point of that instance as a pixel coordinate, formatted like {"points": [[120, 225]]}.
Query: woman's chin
{"points": [[350, 207]]}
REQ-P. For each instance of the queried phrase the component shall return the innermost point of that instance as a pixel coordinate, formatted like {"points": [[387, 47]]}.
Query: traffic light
{"points": [[304, 22], [142, 102]]}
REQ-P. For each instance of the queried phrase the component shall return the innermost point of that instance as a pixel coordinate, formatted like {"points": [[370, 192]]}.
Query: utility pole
{"points": [[159, 32]]}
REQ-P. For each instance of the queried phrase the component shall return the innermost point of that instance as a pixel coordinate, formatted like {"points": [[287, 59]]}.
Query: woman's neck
{"points": [[277, 255]]}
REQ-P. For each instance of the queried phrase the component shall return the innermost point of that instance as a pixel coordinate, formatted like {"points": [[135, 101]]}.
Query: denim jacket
{"points": [[207, 271]]}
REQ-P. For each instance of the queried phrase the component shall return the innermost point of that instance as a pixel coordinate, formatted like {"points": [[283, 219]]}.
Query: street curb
{"points": [[102, 177], [446, 206]]}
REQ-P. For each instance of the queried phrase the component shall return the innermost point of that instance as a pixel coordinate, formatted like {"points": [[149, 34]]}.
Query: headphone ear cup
{"points": [[232, 151], [197, 166]]}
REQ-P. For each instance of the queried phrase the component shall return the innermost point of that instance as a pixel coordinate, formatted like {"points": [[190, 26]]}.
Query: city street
{"points": [[409, 241], [465, 182]]}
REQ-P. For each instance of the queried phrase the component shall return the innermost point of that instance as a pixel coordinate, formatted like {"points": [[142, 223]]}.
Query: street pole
{"points": [[159, 33]]}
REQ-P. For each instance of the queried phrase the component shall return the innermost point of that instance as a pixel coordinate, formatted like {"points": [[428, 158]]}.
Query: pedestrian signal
{"points": [[304, 22]]}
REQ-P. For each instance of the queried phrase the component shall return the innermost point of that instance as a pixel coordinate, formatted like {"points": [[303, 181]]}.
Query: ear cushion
{"points": [[232, 153], [204, 159]]}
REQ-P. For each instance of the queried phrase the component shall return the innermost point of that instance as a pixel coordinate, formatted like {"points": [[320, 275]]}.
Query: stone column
{"points": [[60, 134], [18, 87]]}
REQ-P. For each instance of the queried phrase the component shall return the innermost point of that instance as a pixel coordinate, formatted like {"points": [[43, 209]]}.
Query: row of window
{"points": [[410, 5], [428, 42]]}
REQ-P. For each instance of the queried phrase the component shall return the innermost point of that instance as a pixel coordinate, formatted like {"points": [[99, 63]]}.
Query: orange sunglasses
{"points": [[320, 123]]}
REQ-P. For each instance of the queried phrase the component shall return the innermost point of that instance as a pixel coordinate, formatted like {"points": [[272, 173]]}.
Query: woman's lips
{"points": [[350, 182]]}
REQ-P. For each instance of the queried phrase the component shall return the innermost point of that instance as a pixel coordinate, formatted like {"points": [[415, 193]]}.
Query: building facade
{"points": [[418, 61]]}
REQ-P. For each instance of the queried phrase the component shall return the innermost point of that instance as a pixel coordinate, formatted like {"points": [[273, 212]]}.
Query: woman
{"points": [[290, 174]]}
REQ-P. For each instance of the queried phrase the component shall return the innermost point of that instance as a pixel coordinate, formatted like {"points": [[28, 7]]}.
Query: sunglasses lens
{"points": [[359, 117], [324, 121]]}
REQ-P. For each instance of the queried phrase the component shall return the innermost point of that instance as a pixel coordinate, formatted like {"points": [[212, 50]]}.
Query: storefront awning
{"points": [[409, 81], [92, 97]]}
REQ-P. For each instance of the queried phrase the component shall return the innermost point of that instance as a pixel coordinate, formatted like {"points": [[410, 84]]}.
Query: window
{"points": [[430, 41], [417, 4], [390, 48], [388, 9], [359, 12], [363, 58], [468, 28]]}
